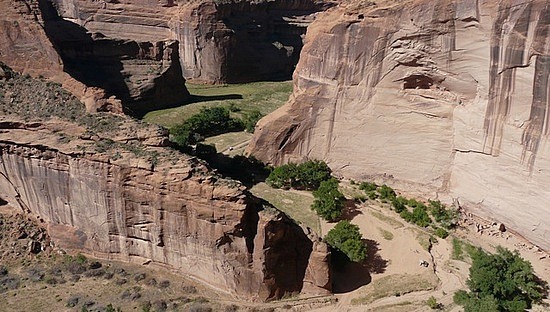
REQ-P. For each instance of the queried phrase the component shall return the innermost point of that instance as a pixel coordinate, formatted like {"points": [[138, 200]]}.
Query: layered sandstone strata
{"points": [[154, 205], [101, 71], [219, 41], [449, 98]]}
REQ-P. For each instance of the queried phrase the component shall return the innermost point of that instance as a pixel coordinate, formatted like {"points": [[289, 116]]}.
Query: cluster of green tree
{"points": [[210, 122], [500, 282], [412, 210], [307, 175], [329, 201], [346, 238]]}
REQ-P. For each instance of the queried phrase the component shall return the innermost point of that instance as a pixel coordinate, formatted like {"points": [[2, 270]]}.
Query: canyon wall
{"points": [[447, 98], [171, 211], [219, 41]]}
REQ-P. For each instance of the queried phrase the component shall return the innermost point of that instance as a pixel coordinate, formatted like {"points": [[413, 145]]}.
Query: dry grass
{"points": [[387, 219], [296, 204], [396, 285], [262, 96], [237, 140], [387, 235]]}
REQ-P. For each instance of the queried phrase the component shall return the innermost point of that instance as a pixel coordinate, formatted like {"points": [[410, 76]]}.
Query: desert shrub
{"points": [[441, 232], [283, 176], [160, 306], [94, 273], [368, 186], [500, 282], [329, 201], [372, 195], [164, 284], [199, 307], [72, 301], [346, 238], [36, 274], [420, 216], [399, 204], [446, 217], [386, 192], [307, 175], [189, 289], [231, 308], [433, 304], [139, 276], [110, 308], [3, 271]]}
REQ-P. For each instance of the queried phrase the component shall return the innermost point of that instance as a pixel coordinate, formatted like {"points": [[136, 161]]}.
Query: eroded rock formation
{"points": [[449, 98], [108, 186], [219, 41], [101, 71]]}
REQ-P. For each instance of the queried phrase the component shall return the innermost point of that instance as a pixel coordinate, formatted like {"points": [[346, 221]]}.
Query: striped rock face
{"points": [[449, 99]]}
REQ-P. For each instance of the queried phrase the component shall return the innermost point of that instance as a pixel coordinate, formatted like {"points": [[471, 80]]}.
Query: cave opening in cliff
{"points": [[418, 81]]}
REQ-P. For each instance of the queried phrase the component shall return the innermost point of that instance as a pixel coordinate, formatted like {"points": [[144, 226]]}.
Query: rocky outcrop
{"points": [[109, 186], [219, 41], [102, 72], [160, 208], [449, 98]]}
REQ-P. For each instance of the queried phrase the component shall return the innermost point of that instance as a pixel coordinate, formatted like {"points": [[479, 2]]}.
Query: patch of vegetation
{"points": [[329, 201], [346, 238], [500, 282], [240, 99], [37, 99], [208, 122], [307, 175], [396, 285], [457, 252], [389, 220], [387, 235], [250, 119], [433, 304], [295, 204], [412, 210]]}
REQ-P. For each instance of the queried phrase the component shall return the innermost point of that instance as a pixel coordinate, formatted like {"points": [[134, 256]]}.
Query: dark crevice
{"points": [[287, 135]]}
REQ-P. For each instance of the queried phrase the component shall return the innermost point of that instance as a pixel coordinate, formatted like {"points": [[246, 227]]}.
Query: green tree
{"points": [[311, 173], [250, 120], [283, 176], [347, 238], [208, 122], [307, 175], [499, 282], [386, 192], [329, 201]]}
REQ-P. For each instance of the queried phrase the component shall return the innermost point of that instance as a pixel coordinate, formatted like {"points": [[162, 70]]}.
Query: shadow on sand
{"points": [[348, 275], [350, 210]]}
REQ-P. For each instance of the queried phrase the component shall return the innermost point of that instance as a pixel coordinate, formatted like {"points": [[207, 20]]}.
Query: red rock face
{"points": [[94, 68], [174, 213], [446, 98]]}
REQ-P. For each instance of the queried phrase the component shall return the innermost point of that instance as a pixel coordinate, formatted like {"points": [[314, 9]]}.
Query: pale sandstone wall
{"points": [[449, 98], [219, 41]]}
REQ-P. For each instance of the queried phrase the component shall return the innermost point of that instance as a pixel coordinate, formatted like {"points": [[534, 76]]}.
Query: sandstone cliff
{"points": [[108, 186], [101, 71], [449, 98], [219, 41]]}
